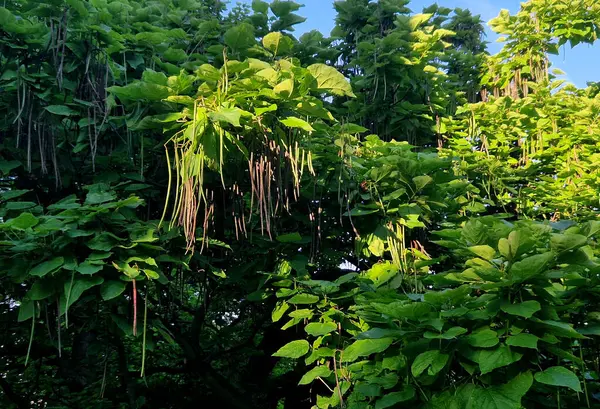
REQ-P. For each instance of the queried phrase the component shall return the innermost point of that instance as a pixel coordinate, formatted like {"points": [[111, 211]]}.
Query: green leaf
{"points": [[289, 238], [112, 289], [393, 398], [414, 310], [559, 376], [26, 310], [12, 194], [228, 115], [303, 299], [293, 122], [138, 90], [154, 77], [284, 88], [434, 360], [422, 181], [23, 221], [485, 252], [40, 290], [483, 339], [368, 389], [268, 108], [62, 110], [365, 347], [260, 6], [6, 166], [530, 267], [504, 248], [451, 296], [20, 205], [282, 8], [357, 212], [565, 242], [286, 22], [89, 268], [47, 267], [330, 80], [376, 333], [352, 128], [489, 360], [80, 285], [279, 310], [102, 242], [418, 19], [523, 340], [294, 349], [525, 309], [452, 333], [320, 328], [99, 197], [240, 37], [320, 371], [277, 43], [474, 232], [561, 329], [175, 55], [507, 396]]}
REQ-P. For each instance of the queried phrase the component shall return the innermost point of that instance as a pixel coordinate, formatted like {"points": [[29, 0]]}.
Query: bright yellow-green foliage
{"points": [[196, 208]]}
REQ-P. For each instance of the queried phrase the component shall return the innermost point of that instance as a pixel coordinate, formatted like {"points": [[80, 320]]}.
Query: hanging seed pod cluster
{"points": [[249, 121]]}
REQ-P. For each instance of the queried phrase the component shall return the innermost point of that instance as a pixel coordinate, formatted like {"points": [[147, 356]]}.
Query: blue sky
{"points": [[580, 63]]}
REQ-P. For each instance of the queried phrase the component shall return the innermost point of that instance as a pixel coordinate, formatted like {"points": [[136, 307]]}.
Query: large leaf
{"points": [[22, 222], [60, 110], [294, 349], [559, 376], [320, 371], [566, 242], [490, 359], [393, 398], [530, 267], [320, 328], [228, 115], [451, 333], [523, 340], [525, 309], [289, 238], [432, 360], [140, 91], [72, 293], [293, 122], [277, 43], [330, 80], [40, 290], [284, 7], [47, 267], [507, 396], [303, 299], [112, 289], [484, 251], [365, 347], [26, 310], [285, 88], [560, 329], [483, 339], [240, 37], [279, 310], [89, 268]]}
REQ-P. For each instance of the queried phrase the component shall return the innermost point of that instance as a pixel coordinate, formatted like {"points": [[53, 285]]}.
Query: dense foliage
{"points": [[198, 208]]}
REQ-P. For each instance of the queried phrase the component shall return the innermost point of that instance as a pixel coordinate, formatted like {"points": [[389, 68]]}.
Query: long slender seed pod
{"points": [[30, 335], [134, 330], [144, 334]]}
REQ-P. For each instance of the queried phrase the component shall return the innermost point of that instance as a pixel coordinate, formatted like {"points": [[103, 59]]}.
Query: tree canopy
{"points": [[198, 207]]}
